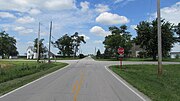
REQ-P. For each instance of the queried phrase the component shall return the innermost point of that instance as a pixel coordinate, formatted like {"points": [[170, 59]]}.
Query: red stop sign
{"points": [[121, 50]]}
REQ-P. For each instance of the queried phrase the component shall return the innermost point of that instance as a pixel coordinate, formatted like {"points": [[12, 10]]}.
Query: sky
{"points": [[90, 18]]}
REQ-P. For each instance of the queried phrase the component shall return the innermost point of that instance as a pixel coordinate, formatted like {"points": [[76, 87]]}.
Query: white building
{"points": [[31, 54], [174, 54]]}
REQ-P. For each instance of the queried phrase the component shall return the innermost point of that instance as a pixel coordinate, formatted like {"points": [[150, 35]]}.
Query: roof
{"points": [[174, 52], [30, 47]]}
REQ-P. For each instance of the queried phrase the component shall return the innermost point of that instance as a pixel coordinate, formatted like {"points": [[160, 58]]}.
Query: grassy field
{"points": [[145, 79], [15, 74]]}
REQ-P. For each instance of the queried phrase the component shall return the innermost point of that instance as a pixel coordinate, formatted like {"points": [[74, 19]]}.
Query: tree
{"points": [[119, 38], [147, 37], [65, 45], [7, 45], [42, 48], [98, 55], [177, 30], [77, 41]]}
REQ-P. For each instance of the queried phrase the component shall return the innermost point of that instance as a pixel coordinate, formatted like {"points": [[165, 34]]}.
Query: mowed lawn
{"points": [[145, 79], [14, 74]]}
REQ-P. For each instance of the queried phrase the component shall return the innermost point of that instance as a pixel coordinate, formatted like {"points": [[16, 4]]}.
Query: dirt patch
{"points": [[5, 65]]}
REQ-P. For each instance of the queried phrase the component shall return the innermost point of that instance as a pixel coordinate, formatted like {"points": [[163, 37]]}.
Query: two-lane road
{"points": [[82, 80]]}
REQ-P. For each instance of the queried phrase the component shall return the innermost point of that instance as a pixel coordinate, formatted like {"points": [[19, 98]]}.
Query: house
{"points": [[31, 54], [0, 57], [175, 55], [135, 50]]}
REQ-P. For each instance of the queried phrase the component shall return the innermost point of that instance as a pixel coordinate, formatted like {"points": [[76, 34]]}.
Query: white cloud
{"points": [[99, 31], [84, 6], [111, 19], [85, 37], [23, 31], [34, 11], [118, 1], [59, 4], [102, 8], [26, 19], [133, 27], [6, 15], [171, 14], [98, 41], [25, 5]]}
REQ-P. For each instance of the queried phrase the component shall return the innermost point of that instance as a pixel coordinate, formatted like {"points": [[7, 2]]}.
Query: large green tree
{"points": [[77, 40], [65, 45], [42, 48], [119, 37], [147, 37], [177, 30], [7, 45]]}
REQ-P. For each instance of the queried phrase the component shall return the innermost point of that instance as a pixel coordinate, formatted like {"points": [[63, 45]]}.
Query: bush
{"points": [[177, 56]]}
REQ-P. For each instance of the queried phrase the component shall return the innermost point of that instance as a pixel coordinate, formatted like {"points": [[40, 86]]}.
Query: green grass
{"points": [[16, 74], [138, 59], [145, 79], [67, 58]]}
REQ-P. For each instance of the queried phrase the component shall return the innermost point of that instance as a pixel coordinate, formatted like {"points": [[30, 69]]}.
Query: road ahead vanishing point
{"points": [[82, 80]]}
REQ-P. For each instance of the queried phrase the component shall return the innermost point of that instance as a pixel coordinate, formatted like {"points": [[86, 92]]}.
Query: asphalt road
{"points": [[82, 80]]}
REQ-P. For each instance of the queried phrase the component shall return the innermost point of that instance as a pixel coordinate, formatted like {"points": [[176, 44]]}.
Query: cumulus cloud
{"points": [[6, 15], [26, 19], [22, 30], [99, 31], [25, 5], [34, 11], [171, 14], [84, 6], [102, 8], [111, 19], [59, 4]]}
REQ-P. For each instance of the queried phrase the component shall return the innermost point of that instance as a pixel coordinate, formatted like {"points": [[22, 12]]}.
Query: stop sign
{"points": [[121, 50]]}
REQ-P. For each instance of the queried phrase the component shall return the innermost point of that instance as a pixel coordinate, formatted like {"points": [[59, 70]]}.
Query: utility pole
{"points": [[95, 51], [38, 56], [49, 52], [159, 39]]}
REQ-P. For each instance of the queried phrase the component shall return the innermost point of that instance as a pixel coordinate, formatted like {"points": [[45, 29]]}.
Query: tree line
{"points": [[146, 38], [67, 45]]}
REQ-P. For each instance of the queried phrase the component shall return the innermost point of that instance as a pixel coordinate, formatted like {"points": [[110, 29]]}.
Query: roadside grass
{"points": [[137, 59], [67, 58], [16, 74], [145, 79]]}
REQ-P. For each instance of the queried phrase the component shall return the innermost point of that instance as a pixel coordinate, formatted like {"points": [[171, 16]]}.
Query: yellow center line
{"points": [[77, 86]]}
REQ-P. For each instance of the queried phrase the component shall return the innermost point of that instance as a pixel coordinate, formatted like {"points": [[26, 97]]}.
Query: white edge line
{"points": [[33, 82], [125, 84]]}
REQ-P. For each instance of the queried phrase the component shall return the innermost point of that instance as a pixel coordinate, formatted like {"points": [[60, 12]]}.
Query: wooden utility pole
{"points": [[38, 55], [159, 39], [49, 52]]}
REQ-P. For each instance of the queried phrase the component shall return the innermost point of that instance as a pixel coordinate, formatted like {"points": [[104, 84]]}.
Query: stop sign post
{"points": [[121, 52]]}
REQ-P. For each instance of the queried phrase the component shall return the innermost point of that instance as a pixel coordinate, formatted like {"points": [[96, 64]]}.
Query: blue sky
{"points": [[91, 18]]}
